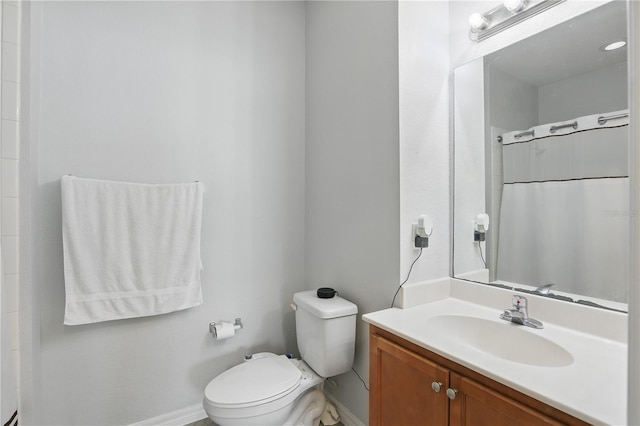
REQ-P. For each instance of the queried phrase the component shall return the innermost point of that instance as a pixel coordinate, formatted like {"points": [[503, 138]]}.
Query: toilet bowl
{"points": [[272, 390]]}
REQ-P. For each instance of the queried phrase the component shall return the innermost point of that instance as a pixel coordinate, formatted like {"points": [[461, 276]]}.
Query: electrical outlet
{"points": [[420, 238], [421, 242]]}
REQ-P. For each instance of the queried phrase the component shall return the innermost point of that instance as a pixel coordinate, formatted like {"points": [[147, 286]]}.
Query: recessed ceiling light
{"points": [[613, 46]]}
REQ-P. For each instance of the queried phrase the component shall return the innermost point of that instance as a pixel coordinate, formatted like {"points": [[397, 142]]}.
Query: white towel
{"points": [[130, 250]]}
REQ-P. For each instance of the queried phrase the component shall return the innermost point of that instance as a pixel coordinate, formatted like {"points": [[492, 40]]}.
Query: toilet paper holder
{"points": [[237, 325]]}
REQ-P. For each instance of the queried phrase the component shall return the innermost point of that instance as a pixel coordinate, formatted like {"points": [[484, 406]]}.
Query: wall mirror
{"points": [[541, 147]]}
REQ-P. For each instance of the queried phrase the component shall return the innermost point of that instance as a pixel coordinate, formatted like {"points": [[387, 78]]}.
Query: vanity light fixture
{"points": [[478, 22], [505, 15], [515, 6]]}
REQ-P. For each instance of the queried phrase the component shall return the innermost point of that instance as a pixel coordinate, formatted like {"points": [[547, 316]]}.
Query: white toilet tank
{"points": [[326, 332]]}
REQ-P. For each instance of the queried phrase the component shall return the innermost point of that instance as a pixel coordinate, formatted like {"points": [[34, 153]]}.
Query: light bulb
{"points": [[478, 22], [514, 6], [613, 46]]}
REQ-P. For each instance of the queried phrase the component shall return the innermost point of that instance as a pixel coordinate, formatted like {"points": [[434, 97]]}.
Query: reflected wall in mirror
{"points": [[541, 146]]}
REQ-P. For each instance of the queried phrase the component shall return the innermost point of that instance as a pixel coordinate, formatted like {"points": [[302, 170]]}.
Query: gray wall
{"points": [[424, 91], [513, 105], [594, 92], [352, 163], [217, 91], [169, 92]]}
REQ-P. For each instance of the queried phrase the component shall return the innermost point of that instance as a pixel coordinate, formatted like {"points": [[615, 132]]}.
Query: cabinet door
{"points": [[401, 387], [477, 405]]}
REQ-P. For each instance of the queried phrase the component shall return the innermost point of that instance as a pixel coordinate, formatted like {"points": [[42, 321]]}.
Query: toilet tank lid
{"points": [[334, 307]]}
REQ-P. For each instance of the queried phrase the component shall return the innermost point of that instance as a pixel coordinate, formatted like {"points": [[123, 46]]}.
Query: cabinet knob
{"points": [[436, 386], [452, 393]]}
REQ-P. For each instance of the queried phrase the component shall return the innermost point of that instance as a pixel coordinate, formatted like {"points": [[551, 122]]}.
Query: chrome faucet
{"points": [[544, 289], [519, 314]]}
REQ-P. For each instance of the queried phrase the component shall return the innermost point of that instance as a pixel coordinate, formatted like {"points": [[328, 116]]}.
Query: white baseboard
{"points": [[346, 417], [180, 417], [196, 412]]}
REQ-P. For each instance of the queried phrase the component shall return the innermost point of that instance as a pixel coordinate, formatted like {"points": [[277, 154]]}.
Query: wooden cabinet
{"points": [[412, 386], [401, 393], [478, 405]]}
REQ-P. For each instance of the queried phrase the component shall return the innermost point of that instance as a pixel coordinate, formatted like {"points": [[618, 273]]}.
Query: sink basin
{"points": [[504, 340]]}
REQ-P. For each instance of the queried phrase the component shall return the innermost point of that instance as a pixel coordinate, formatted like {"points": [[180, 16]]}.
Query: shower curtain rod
{"points": [[601, 120]]}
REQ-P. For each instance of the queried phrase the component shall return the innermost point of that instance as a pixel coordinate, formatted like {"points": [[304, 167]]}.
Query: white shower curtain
{"points": [[8, 396], [564, 216]]}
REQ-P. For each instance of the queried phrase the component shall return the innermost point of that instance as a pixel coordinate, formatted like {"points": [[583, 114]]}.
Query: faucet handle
{"points": [[544, 289], [519, 301]]}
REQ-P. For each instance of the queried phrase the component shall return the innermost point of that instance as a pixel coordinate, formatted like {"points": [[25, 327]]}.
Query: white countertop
{"points": [[592, 388]]}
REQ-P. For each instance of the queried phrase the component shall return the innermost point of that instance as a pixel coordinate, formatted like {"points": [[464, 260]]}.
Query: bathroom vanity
{"points": [[452, 361], [411, 385], [519, 123]]}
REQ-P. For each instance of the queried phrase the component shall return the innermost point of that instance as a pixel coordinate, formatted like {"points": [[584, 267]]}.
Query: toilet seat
{"points": [[258, 387], [254, 383]]}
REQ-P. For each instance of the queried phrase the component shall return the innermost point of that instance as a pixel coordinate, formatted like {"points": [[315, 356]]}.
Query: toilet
{"points": [[269, 389]]}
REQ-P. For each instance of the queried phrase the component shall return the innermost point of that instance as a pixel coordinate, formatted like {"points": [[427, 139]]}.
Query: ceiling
{"points": [[568, 49]]}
